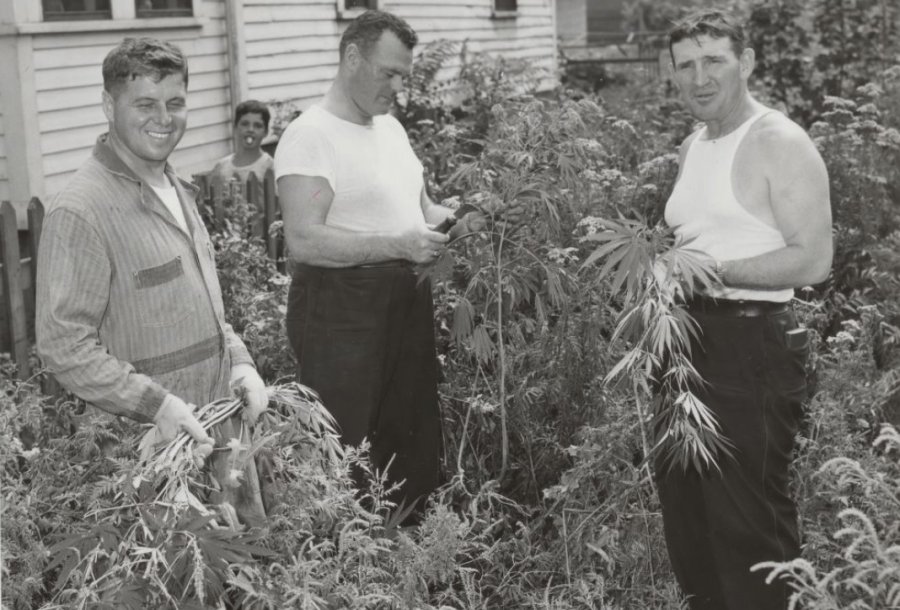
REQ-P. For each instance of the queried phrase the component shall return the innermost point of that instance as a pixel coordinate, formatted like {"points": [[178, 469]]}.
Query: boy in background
{"points": [[251, 124]]}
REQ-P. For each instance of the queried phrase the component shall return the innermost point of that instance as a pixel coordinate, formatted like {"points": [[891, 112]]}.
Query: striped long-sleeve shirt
{"points": [[128, 303]]}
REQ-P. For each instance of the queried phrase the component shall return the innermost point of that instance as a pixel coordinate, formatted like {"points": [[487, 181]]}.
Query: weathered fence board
{"points": [[13, 296], [273, 212], [215, 194]]}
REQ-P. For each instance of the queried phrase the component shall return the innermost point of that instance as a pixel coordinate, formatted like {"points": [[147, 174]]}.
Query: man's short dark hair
{"points": [[365, 30], [254, 107], [710, 22], [136, 57]]}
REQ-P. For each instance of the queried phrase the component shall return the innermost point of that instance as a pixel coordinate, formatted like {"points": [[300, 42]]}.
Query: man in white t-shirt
{"points": [[357, 219]]}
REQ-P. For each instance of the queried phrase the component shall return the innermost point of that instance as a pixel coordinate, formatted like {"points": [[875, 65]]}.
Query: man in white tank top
{"points": [[752, 194], [357, 219]]}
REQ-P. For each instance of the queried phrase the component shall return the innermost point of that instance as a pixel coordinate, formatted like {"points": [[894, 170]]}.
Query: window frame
{"points": [[123, 17], [161, 13], [346, 14], [498, 13], [63, 16]]}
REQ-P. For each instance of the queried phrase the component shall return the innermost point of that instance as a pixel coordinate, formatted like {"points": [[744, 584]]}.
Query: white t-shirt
{"points": [[375, 175], [169, 196]]}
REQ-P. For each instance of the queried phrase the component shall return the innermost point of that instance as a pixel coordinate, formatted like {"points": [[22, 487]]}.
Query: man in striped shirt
{"points": [[129, 310]]}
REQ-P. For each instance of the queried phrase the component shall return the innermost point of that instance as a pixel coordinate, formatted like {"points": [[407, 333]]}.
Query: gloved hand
{"points": [[256, 398], [175, 415]]}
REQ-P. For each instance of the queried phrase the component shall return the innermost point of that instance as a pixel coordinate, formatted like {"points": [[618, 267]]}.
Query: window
{"points": [[349, 9], [68, 10], [163, 8], [505, 8], [115, 10]]}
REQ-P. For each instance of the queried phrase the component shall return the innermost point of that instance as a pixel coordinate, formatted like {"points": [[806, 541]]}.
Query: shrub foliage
{"points": [[550, 332]]}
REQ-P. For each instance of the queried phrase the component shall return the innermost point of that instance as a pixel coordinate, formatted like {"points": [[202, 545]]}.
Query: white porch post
{"points": [[237, 52], [18, 103]]}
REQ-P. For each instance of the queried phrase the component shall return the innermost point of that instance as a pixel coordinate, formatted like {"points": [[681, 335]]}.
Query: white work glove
{"points": [[173, 416], [256, 398]]}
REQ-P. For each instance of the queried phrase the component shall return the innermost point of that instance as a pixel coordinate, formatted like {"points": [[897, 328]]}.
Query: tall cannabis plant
{"points": [[651, 276]]}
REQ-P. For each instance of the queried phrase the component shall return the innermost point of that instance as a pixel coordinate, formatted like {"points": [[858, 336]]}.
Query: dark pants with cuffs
{"points": [[718, 525], [364, 340]]}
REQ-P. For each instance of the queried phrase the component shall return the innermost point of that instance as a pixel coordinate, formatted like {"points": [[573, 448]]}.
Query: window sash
{"points": [[57, 10], [360, 5], [99, 10], [163, 8]]}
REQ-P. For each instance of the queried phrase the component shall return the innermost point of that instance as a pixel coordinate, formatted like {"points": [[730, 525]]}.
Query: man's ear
{"points": [[353, 56], [748, 62], [109, 105]]}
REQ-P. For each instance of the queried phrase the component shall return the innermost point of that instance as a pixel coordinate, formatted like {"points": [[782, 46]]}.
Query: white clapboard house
{"points": [[270, 50]]}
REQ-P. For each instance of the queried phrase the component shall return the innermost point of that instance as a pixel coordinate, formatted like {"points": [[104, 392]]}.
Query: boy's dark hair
{"points": [[136, 57], [255, 107], [710, 22], [365, 30]]}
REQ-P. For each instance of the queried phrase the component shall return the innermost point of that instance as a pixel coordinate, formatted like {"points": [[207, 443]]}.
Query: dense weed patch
{"points": [[549, 502]]}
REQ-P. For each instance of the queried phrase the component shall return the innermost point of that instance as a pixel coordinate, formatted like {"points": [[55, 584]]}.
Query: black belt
{"points": [[393, 263], [397, 263], [736, 308]]}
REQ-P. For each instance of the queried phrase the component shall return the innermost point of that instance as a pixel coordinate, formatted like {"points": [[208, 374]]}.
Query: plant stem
{"points": [[462, 440], [645, 443], [640, 413], [501, 352]]}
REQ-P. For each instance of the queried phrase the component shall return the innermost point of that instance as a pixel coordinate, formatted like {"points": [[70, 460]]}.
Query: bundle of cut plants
{"points": [[225, 486]]}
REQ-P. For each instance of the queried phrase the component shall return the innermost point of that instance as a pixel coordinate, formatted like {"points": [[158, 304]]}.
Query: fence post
{"points": [[255, 195], [12, 288], [218, 188], [272, 214], [202, 181], [35, 227]]}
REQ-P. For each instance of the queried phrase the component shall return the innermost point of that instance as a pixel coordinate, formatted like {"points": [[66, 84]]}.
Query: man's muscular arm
{"points": [[797, 182], [305, 201]]}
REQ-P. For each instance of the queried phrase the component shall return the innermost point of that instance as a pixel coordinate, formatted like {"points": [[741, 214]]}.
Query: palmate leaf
{"points": [[629, 254], [68, 553], [130, 594], [691, 436], [482, 344], [659, 331]]}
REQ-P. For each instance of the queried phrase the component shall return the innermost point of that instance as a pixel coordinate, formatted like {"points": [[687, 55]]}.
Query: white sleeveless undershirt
{"points": [[704, 208]]}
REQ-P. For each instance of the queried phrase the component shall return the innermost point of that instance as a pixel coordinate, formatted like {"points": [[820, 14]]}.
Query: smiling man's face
{"points": [[147, 118], [711, 78]]}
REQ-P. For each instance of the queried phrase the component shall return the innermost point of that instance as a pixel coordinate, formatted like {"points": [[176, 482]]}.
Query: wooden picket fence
{"points": [[18, 259], [19, 269], [261, 193]]}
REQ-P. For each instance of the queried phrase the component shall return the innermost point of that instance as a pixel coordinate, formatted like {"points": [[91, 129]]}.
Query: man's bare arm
{"points": [[433, 212], [801, 206], [305, 201]]}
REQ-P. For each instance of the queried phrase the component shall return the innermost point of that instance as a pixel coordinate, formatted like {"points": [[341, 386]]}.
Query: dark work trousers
{"points": [[718, 525], [364, 340]]}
